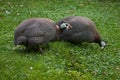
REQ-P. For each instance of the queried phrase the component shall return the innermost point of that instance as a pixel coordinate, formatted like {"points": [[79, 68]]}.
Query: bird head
{"points": [[60, 28], [65, 25], [102, 44], [21, 40]]}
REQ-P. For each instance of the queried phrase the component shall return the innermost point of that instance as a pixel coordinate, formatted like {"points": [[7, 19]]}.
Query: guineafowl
{"points": [[83, 30], [36, 33]]}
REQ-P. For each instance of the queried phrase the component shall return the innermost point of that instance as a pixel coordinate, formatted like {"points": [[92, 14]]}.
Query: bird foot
{"points": [[40, 50]]}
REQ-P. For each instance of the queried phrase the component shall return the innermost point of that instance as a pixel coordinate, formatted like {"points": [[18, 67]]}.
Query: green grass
{"points": [[62, 61]]}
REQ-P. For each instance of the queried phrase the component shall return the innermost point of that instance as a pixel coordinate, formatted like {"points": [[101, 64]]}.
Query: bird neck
{"points": [[58, 32]]}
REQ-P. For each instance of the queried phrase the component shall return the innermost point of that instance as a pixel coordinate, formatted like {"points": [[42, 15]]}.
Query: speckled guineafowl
{"points": [[36, 33], [83, 30]]}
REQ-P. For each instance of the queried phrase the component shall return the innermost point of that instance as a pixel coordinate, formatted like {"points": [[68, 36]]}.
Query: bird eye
{"points": [[66, 24]]}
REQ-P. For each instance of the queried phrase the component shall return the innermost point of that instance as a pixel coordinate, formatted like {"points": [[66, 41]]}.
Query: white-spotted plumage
{"points": [[83, 30]]}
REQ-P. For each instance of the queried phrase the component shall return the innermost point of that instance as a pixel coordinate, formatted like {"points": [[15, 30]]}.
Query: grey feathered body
{"points": [[83, 30], [34, 32]]}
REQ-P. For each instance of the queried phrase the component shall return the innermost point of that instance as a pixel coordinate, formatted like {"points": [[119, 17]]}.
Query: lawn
{"points": [[63, 60]]}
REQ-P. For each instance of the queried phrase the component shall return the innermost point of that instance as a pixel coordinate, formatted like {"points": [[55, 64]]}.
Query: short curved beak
{"points": [[102, 47]]}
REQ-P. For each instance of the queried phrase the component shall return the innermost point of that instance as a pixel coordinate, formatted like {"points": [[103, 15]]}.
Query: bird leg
{"points": [[40, 50]]}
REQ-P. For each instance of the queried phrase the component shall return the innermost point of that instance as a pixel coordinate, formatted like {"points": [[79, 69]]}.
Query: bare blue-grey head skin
{"points": [[102, 44], [83, 30], [36, 32], [66, 26]]}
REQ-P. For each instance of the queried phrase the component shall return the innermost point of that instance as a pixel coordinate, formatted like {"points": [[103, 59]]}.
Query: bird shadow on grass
{"points": [[55, 47], [83, 45], [23, 50]]}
